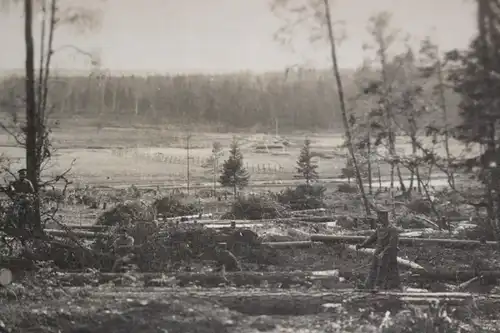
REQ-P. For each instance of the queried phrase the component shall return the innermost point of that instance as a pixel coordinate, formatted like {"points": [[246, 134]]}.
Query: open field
{"points": [[152, 156]]}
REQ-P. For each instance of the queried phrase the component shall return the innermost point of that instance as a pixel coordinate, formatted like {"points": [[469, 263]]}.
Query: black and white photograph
{"points": [[246, 166]]}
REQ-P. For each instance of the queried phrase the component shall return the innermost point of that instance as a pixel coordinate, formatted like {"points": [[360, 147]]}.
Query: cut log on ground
{"points": [[186, 218], [209, 279], [326, 279], [451, 243], [456, 276], [78, 233], [464, 285], [280, 220], [299, 234], [289, 245], [309, 211], [401, 261], [91, 227], [265, 302], [434, 225]]}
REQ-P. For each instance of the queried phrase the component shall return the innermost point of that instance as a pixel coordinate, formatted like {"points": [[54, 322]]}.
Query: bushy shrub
{"points": [[420, 206], [347, 188], [87, 196], [484, 231], [171, 206], [254, 207], [52, 195], [302, 197], [126, 213]]}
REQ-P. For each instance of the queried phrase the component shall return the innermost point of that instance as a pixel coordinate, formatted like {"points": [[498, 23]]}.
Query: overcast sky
{"points": [[230, 35]]}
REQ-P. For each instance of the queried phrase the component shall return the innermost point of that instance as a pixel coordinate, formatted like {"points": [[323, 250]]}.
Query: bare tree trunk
{"points": [[45, 81], [31, 107], [444, 109], [343, 108], [400, 177], [41, 64], [369, 163], [113, 100], [412, 179], [188, 157], [136, 104], [216, 167], [379, 175], [388, 119], [417, 170]]}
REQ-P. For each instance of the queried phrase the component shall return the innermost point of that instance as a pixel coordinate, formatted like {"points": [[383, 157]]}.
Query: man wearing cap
{"points": [[384, 273], [22, 185], [22, 188]]}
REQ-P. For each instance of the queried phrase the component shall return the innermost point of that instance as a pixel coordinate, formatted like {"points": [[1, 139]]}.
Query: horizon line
{"points": [[146, 72]]}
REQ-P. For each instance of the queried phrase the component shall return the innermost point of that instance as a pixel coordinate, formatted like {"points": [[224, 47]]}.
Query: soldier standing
{"points": [[23, 190], [384, 273], [22, 185]]}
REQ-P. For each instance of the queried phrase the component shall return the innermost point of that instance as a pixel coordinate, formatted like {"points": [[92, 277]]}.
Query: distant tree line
{"points": [[302, 100]]}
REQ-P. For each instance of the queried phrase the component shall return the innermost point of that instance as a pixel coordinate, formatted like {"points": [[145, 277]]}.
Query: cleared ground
{"points": [[152, 156]]}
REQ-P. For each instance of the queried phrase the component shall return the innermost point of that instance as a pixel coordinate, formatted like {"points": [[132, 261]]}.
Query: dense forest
{"points": [[293, 100]]}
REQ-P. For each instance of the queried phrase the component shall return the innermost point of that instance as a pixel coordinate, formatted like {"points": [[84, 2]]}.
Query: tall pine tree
{"points": [[476, 78], [234, 173], [306, 168]]}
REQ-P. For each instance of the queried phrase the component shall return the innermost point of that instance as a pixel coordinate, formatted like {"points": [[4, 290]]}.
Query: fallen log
{"points": [[262, 302], [187, 218], [464, 285], [299, 234], [458, 243], [401, 261], [406, 233], [457, 276], [241, 225], [434, 225], [78, 233], [289, 245], [327, 279], [309, 211], [208, 279], [318, 219], [92, 227]]}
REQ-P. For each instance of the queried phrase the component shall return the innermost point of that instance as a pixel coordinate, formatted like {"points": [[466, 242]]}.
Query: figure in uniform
{"points": [[22, 190], [123, 247], [384, 273], [22, 185]]}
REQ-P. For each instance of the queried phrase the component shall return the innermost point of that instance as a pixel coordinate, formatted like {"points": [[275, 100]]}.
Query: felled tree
{"points": [[306, 168], [234, 174]]}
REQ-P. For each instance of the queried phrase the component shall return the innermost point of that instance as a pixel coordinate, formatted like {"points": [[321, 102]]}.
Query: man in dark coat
{"points": [[23, 191], [22, 185], [384, 273]]}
